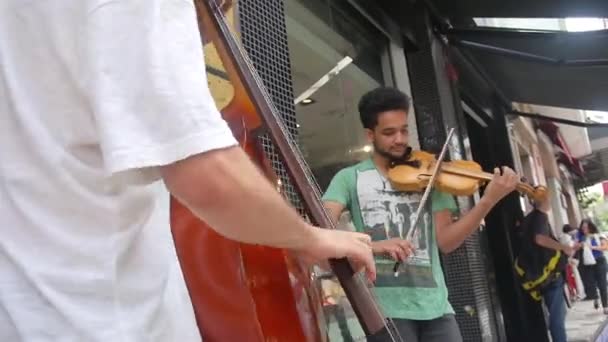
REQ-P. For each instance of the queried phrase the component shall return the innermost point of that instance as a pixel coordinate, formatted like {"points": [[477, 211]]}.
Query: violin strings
{"points": [[389, 325]]}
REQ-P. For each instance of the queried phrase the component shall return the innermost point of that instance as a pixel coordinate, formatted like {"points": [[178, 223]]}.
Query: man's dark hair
{"points": [[380, 100], [567, 228], [592, 227]]}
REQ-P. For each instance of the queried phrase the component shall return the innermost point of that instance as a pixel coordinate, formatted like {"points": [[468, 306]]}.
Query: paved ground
{"points": [[583, 322]]}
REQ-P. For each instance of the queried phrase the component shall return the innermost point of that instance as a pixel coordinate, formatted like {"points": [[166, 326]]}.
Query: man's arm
{"points": [[218, 183], [547, 242], [226, 190], [334, 209], [396, 248], [450, 235]]}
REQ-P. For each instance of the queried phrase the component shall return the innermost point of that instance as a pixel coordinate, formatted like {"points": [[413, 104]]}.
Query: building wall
{"points": [[565, 208], [535, 159], [552, 181], [573, 209], [575, 137], [527, 155]]}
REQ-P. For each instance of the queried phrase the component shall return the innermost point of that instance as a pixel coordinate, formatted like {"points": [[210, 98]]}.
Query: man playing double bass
{"points": [[416, 298], [100, 101]]}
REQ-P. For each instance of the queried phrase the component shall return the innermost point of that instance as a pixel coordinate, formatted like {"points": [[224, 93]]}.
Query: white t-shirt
{"points": [[94, 95]]}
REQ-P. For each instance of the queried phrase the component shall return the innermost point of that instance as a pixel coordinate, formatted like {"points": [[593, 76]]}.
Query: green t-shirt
{"points": [[419, 292]]}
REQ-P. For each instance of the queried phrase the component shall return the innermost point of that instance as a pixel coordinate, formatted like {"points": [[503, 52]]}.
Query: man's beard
{"points": [[392, 158]]}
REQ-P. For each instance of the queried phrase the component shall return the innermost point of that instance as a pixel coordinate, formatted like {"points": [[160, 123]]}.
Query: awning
{"points": [[564, 156], [521, 8], [551, 68], [561, 69]]}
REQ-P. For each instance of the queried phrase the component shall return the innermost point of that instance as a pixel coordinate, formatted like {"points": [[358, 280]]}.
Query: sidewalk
{"points": [[583, 321]]}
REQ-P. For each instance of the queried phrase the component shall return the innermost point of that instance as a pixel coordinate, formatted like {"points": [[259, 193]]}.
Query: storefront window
{"points": [[336, 57], [324, 36]]}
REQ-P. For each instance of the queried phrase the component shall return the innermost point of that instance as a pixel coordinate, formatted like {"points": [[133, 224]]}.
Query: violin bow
{"points": [[425, 196]]}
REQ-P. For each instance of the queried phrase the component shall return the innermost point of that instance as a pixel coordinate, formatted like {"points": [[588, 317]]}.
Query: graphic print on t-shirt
{"points": [[388, 214]]}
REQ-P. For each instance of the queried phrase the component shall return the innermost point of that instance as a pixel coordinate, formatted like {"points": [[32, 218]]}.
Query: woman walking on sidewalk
{"points": [[594, 268]]}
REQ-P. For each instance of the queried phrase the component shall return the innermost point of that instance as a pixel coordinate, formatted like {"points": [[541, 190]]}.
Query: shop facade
{"points": [[321, 34], [541, 161], [317, 57]]}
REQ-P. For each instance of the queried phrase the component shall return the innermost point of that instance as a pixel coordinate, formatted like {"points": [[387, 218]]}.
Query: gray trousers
{"points": [[442, 329]]}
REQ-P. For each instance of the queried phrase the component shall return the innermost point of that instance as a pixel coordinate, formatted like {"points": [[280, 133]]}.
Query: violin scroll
{"points": [[535, 193]]}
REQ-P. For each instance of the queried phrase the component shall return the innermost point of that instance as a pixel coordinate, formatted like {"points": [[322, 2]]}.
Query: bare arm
{"points": [[396, 248], [450, 235], [547, 242], [230, 193], [334, 209], [226, 190]]}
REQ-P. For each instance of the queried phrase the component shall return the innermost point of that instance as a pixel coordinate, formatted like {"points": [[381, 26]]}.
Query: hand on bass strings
{"points": [[398, 249], [501, 184], [336, 244]]}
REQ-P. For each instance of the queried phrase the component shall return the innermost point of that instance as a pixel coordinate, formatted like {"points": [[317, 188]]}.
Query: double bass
{"points": [[244, 292]]}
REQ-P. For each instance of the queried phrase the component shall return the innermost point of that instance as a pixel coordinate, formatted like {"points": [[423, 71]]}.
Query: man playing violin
{"points": [[416, 298], [100, 103]]}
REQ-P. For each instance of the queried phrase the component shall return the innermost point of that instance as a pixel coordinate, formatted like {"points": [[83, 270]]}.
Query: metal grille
{"points": [[471, 295], [465, 271], [264, 37], [467, 280], [424, 94]]}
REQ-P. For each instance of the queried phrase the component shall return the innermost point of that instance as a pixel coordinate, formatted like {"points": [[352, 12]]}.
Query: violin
{"points": [[458, 177], [243, 292]]}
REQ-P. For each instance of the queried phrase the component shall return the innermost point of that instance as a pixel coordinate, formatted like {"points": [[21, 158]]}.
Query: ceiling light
{"points": [[343, 63], [367, 148], [307, 101]]}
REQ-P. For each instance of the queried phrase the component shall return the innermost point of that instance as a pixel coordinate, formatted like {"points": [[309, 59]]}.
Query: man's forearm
{"points": [[547, 242], [452, 236], [227, 191]]}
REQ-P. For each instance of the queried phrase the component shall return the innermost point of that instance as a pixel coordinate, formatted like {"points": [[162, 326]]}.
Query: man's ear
{"points": [[369, 135]]}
